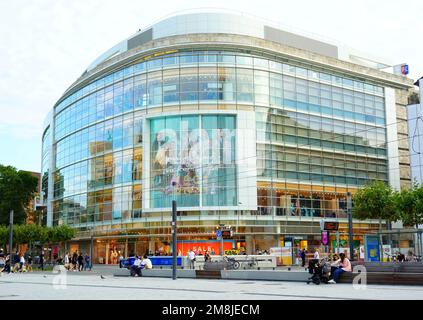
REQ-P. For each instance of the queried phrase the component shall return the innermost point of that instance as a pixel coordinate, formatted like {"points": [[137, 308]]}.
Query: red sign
{"points": [[202, 247]]}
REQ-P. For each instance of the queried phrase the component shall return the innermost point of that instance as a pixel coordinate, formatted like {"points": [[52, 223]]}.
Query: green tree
{"points": [[376, 201], [64, 233], [4, 236], [17, 188], [409, 204]]}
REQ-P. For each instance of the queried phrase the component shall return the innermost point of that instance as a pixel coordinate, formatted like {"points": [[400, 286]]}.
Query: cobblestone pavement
{"points": [[81, 286]]}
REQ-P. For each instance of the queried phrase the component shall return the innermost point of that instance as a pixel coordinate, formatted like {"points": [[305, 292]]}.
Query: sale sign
{"points": [[201, 246]]}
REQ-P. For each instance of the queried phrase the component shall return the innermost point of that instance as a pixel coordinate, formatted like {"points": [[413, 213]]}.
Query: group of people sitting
{"points": [[139, 264], [400, 257]]}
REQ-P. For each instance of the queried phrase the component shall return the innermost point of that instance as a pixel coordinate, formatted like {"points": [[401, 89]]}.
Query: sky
{"points": [[45, 45]]}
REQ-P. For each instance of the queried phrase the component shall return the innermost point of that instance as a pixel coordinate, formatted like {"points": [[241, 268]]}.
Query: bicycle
{"points": [[250, 263], [231, 263]]}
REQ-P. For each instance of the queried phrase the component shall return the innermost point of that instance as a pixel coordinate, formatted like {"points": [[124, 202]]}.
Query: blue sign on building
{"points": [[404, 69]]}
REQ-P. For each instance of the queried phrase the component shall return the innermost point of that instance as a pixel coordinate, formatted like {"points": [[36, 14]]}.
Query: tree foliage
{"points": [[17, 188], [379, 201], [31, 233], [375, 201], [409, 203]]}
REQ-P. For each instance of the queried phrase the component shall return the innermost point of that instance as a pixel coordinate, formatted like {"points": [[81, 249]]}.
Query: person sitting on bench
{"points": [[136, 267], [340, 266], [146, 263]]}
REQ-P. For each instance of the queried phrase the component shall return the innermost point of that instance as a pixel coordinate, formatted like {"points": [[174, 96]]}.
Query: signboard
{"points": [[325, 238], [227, 233], [224, 232], [371, 248], [201, 246], [404, 69], [283, 255], [331, 225], [401, 69], [218, 234]]}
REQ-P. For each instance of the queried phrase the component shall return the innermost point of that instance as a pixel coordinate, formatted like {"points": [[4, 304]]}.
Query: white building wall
{"points": [[392, 138], [246, 160]]}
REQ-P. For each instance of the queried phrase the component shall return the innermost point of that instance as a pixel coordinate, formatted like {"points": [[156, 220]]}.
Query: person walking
{"points": [[303, 256], [67, 261], [21, 263], [80, 262], [42, 260], [29, 264], [74, 261], [87, 264], [2, 260], [16, 262], [316, 254], [191, 259]]}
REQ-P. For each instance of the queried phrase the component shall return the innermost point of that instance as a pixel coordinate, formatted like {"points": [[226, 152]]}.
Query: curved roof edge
{"points": [[233, 22]]}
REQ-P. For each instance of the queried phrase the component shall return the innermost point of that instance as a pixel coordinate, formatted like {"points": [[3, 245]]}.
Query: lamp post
{"points": [[174, 239], [220, 235], [91, 247], [350, 225], [11, 241]]}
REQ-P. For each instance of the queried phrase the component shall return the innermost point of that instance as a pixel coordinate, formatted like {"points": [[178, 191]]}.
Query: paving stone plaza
{"points": [[103, 286]]}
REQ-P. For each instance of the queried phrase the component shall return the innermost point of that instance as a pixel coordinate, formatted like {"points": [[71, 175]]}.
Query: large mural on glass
{"points": [[189, 161]]}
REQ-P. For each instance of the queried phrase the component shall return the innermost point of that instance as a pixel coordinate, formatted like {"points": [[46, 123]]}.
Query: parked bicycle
{"points": [[231, 263], [250, 263]]}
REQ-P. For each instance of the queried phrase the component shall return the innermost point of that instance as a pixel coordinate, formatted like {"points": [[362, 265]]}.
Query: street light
{"points": [[174, 253], [350, 225], [91, 228], [11, 241]]}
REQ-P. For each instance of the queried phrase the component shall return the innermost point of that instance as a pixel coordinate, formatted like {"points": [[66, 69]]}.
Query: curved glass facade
{"points": [[170, 127]]}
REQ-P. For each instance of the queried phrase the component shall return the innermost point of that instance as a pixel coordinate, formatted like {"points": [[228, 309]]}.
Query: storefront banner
{"points": [[200, 247]]}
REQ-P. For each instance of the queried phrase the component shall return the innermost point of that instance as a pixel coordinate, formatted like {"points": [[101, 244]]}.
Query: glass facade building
{"points": [[247, 136]]}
